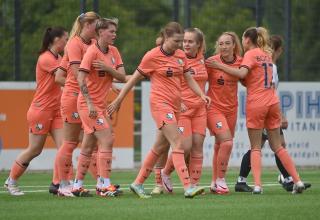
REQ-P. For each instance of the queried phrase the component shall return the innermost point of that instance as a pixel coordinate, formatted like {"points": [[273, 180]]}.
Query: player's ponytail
{"points": [[50, 34], [259, 36], [88, 17]]}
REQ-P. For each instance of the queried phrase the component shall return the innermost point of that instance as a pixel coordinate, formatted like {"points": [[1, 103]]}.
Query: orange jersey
{"points": [[223, 88], [199, 73], [98, 82], [48, 93], [75, 50], [165, 72], [64, 62], [260, 90]]}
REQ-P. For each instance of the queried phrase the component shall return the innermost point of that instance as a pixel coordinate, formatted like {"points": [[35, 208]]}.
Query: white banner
{"points": [[300, 103]]}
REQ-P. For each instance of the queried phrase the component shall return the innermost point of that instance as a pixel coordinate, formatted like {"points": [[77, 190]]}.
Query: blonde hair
{"points": [[88, 17], [259, 36], [104, 23], [200, 38], [236, 41], [169, 30]]}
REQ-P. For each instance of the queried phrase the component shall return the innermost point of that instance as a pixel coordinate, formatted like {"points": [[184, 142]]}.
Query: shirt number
{"points": [[267, 84]]}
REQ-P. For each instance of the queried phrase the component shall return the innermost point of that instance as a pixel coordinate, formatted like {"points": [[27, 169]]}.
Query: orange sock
{"points": [[55, 177], [195, 168], [288, 163], [147, 167], [17, 170], [223, 158], [83, 166], [214, 162], [64, 160], [169, 167], [93, 165], [157, 175], [255, 158], [181, 168], [105, 162]]}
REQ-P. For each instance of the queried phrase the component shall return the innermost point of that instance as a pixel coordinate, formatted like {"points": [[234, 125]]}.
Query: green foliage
{"points": [[141, 20]]}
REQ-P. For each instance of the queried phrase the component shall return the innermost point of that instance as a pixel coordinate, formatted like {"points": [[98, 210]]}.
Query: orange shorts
{"points": [[164, 116], [219, 122], [194, 120], [268, 117], [91, 125], [69, 109], [43, 121]]}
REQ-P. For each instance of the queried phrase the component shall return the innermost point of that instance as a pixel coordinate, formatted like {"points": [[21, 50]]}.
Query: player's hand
{"points": [[206, 99], [113, 107], [92, 111], [212, 64], [99, 65]]}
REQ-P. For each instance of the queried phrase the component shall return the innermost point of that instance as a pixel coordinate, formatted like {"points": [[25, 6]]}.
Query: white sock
{"points": [[99, 182], [11, 181], [106, 183], [288, 179], [77, 184], [221, 182], [242, 179]]}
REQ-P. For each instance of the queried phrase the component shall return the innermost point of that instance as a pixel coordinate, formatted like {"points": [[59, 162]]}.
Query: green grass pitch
{"points": [[274, 203]]}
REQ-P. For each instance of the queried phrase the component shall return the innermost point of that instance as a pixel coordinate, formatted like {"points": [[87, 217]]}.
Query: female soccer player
{"points": [[99, 66], [192, 122], [44, 113], [81, 37], [166, 65], [222, 114], [262, 104], [276, 43]]}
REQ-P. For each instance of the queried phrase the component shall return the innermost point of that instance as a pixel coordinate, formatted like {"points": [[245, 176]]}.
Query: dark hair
{"points": [[276, 42], [259, 36], [104, 23], [50, 34], [169, 30]]}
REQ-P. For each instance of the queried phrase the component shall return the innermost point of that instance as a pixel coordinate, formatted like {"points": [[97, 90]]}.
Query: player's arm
{"points": [[237, 72], [60, 76], [85, 92], [195, 87], [115, 105]]}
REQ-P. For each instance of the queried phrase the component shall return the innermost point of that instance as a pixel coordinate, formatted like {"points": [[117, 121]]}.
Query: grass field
{"points": [[274, 203]]}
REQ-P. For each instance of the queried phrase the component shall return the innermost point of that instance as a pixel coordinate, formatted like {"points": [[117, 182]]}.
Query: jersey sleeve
{"points": [[88, 58], [64, 63], [147, 65], [74, 52], [248, 60], [186, 65], [118, 59], [48, 64]]}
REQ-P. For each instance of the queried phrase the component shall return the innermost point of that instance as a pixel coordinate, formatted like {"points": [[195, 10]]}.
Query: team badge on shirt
{"points": [[181, 129], [180, 61], [219, 125], [100, 121], [113, 61], [39, 126], [202, 61], [75, 115], [169, 116]]}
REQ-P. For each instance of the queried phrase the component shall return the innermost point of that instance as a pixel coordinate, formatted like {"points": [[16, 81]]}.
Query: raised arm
{"points": [[237, 72]]}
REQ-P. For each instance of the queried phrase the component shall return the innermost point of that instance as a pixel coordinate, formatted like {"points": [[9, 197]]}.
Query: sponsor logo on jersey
{"points": [[219, 125]]}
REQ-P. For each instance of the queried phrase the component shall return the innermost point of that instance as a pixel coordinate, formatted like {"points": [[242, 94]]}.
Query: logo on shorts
{"points": [[180, 61], [39, 126], [75, 115], [169, 116], [100, 121], [219, 125], [113, 61], [181, 129]]}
